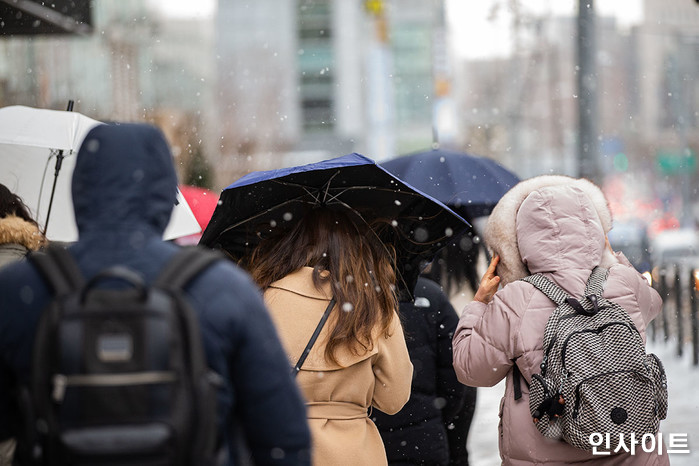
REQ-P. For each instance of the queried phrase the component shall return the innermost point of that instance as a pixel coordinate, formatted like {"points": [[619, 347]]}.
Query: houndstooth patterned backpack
{"points": [[596, 377]]}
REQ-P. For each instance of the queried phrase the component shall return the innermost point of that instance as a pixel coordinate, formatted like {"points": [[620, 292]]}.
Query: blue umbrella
{"points": [[250, 208], [470, 185]]}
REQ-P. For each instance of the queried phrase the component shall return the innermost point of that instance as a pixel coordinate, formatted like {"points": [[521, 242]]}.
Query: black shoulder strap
{"points": [[517, 380], [313, 339], [546, 286], [58, 267], [184, 266]]}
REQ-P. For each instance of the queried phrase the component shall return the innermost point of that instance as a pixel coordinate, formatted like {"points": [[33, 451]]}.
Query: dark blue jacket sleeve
{"points": [[263, 413], [269, 404]]}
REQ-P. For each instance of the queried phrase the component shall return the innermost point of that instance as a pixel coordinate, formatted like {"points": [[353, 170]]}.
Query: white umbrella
{"points": [[30, 141]]}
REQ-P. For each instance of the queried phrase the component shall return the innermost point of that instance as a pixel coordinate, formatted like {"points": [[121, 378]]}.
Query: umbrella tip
{"points": [[435, 138]]}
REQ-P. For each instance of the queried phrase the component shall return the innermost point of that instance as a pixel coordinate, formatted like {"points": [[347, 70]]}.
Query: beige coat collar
{"points": [[301, 283]]}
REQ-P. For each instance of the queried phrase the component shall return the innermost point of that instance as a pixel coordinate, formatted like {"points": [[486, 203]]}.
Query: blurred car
{"points": [[674, 251], [631, 238]]}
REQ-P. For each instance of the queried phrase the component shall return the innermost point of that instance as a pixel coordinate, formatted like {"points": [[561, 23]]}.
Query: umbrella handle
{"points": [[59, 163]]}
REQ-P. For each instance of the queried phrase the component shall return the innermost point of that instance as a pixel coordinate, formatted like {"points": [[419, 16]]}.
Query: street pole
{"points": [[381, 138], [680, 114], [587, 92]]}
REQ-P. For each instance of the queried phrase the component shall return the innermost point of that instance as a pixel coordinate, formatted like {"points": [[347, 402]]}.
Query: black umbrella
{"points": [[471, 186], [253, 206], [468, 184]]}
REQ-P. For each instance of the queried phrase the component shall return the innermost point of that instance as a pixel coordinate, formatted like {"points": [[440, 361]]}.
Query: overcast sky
{"points": [[474, 35]]}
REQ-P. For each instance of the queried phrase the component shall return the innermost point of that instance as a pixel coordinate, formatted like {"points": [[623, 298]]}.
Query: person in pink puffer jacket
{"points": [[557, 226]]}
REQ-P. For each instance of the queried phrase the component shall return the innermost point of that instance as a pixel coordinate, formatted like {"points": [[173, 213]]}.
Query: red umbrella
{"points": [[203, 203]]}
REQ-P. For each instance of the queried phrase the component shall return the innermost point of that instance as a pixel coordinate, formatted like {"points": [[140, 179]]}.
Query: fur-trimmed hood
{"points": [[576, 200], [16, 230]]}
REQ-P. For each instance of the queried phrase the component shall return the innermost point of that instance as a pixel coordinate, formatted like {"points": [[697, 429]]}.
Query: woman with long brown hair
{"points": [[360, 358]]}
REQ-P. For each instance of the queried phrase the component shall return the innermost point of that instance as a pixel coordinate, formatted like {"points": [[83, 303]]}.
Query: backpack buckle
{"points": [[553, 405], [595, 304], [579, 309]]}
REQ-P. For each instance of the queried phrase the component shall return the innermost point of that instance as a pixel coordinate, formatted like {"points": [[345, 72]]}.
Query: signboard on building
{"points": [[676, 162]]}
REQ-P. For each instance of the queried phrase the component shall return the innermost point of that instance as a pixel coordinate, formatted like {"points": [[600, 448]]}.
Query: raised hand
{"points": [[489, 283]]}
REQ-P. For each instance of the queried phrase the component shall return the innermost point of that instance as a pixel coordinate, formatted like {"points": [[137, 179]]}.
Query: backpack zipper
{"points": [[592, 330], [576, 407], [61, 382]]}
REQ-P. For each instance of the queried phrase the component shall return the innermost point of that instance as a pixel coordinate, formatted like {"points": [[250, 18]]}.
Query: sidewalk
{"points": [[682, 418]]}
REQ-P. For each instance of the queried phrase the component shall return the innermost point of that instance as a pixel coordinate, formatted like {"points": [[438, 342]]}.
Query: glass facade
{"points": [[316, 65]]}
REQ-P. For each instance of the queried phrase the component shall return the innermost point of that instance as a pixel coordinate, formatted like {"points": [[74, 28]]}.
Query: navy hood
{"points": [[124, 179]]}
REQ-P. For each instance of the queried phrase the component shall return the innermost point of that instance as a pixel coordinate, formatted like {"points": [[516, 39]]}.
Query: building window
{"points": [[315, 64]]}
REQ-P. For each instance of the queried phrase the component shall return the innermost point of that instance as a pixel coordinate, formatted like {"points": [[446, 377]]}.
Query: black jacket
{"points": [[432, 427]]}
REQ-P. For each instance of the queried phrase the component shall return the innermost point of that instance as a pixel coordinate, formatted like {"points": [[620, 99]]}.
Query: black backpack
{"points": [[119, 376], [596, 378]]}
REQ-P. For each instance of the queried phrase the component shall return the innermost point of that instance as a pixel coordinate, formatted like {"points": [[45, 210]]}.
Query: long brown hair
{"points": [[361, 270]]}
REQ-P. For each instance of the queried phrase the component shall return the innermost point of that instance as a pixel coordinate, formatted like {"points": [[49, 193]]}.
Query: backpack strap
{"points": [[595, 284], [57, 266], [517, 379], [184, 266], [554, 292]]}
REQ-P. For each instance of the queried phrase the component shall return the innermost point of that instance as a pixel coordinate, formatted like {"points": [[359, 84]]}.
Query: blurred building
{"points": [[135, 65], [522, 109], [259, 85], [669, 90], [303, 80], [668, 119]]}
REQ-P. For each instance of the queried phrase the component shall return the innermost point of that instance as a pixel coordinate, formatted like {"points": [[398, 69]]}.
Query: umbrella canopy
{"points": [[31, 17], [203, 202], [260, 201], [468, 184], [30, 142]]}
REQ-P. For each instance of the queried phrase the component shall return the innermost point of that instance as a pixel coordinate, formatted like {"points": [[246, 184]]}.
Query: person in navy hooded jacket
{"points": [[124, 188]]}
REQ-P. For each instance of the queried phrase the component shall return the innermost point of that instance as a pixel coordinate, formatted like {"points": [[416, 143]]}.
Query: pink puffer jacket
{"points": [[556, 226]]}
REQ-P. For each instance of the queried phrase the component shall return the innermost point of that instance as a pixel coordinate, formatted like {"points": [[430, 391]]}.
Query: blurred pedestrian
{"points": [[556, 226], [19, 232], [360, 359], [124, 189], [456, 264], [432, 428]]}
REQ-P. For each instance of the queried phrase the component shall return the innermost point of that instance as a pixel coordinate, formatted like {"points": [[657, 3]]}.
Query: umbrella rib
{"points": [[259, 214], [316, 198], [383, 245], [327, 194], [327, 186]]}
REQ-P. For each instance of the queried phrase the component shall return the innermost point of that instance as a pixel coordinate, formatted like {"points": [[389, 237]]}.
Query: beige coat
{"points": [[559, 230], [338, 398]]}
